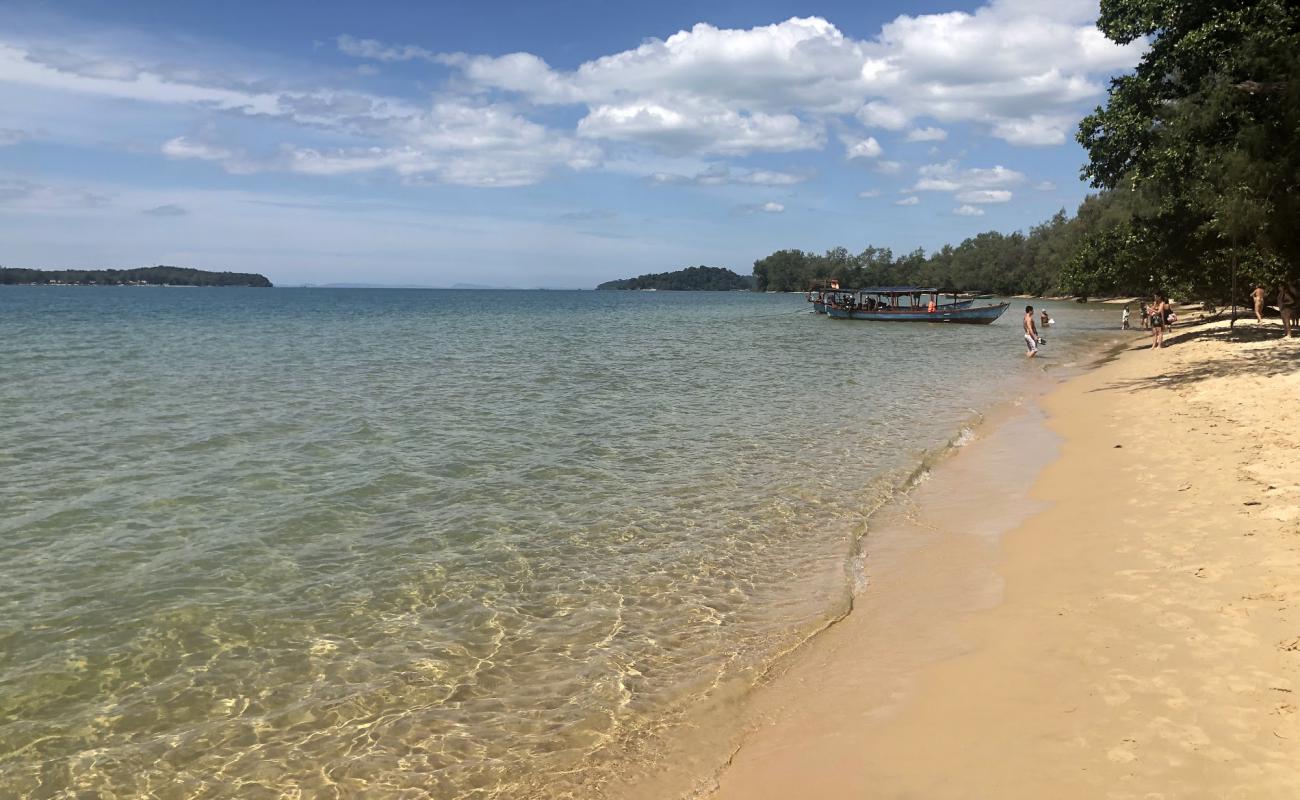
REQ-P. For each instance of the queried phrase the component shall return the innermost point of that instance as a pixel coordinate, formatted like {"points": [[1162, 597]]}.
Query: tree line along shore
{"points": [[145, 276]]}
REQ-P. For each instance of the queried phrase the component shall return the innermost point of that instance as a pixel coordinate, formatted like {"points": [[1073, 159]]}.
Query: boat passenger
{"points": [[933, 306]]}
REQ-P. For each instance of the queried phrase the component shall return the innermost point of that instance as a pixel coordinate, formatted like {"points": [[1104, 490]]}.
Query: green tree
{"points": [[1204, 134]]}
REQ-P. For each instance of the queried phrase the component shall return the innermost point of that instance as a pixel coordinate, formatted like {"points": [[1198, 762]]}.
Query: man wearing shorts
{"points": [[1031, 333]]}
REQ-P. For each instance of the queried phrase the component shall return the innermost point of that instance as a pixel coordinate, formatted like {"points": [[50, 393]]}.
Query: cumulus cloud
{"points": [[1019, 69], [689, 127], [910, 200], [950, 177], [926, 135], [869, 193], [855, 147], [889, 167], [882, 115], [968, 211], [984, 196]]}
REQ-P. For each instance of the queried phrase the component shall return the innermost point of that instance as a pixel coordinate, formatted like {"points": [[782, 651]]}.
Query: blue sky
{"points": [[531, 144]]}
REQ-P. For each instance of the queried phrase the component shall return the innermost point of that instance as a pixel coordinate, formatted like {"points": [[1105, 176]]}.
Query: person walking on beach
{"points": [[1157, 317], [1258, 297], [1031, 333], [1123, 320], [1145, 316]]}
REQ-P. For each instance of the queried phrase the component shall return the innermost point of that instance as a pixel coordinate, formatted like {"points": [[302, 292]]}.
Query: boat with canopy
{"points": [[900, 304]]}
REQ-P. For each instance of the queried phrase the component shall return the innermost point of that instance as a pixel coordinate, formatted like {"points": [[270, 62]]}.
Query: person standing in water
{"points": [[1031, 333], [1123, 320]]}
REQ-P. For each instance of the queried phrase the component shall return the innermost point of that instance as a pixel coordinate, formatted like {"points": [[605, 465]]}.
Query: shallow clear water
{"points": [[266, 543]]}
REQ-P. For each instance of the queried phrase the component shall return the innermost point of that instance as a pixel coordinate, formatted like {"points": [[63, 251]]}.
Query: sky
{"points": [[532, 144]]}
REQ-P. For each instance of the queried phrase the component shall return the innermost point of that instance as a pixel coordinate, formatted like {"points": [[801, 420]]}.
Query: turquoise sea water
{"points": [[405, 543]]}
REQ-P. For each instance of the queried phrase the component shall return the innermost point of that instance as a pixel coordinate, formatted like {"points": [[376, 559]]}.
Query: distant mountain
{"points": [[145, 276], [697, 279]]}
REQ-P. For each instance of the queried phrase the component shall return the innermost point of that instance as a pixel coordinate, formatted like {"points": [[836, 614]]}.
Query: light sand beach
{"points": [[1099, 597]]}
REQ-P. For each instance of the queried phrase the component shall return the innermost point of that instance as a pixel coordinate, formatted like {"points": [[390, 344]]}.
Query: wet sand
{"points": [[1096, 598]]}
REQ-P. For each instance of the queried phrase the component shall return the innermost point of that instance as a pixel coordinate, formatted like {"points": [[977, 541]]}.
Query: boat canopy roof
{"points": [[900, 290]]}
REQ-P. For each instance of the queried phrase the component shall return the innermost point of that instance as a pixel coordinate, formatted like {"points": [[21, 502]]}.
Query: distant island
{"points": [[145, 276], [698, 279]]}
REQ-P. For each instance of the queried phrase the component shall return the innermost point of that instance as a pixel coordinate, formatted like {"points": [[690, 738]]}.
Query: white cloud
{"points": [[882, 115], [869, 193], [926, 135], [1035, 130], [721, 175], [910, 200], [888, 167], [182, 147], [1045, 186], [1020, 70], [456, 143], [773, 208], [984, 196], [949, 177], [770, 207], [855, 147], [694, 128], [369, 48], [968, 211]]}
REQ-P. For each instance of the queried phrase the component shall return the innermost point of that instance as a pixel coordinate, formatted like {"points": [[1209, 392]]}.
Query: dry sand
{"points": [[1124, 622]]}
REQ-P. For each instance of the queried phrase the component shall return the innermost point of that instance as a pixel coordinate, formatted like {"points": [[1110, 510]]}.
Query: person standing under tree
{"points": [[1258, 297], [1286, 303], [1031, 333]]}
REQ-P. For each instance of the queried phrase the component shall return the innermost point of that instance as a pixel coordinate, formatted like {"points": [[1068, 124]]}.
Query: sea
{"points": [[267, 543]]}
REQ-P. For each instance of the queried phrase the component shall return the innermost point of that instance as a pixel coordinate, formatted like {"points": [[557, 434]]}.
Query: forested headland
{"points": [[699, 279], [1196, 156], [145, 276]]}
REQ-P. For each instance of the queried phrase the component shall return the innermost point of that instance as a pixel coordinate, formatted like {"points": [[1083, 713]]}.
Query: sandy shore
{"points": [[1099, 597]]}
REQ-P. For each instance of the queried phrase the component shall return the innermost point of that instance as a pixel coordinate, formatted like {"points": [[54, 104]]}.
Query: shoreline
{"points": [[1016, 690]]}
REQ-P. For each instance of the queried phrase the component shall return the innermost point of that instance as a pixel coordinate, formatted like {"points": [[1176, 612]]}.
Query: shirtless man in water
{"points": [[1031, 333]]}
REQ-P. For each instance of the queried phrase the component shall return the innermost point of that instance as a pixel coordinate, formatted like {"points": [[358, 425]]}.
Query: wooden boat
{"points": [[825, 296], [885, 304]]}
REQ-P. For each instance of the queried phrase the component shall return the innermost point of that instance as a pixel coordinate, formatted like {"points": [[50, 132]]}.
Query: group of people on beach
{"points": [[1155, 316]]}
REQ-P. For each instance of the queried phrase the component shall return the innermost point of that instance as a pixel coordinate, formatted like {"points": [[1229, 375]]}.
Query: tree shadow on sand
{"points": [[1281, 360]]}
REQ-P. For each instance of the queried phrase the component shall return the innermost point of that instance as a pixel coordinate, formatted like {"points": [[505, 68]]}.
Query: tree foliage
{"points": [[701, 278], [155, 276], [1203, 139], [1015, 263]]}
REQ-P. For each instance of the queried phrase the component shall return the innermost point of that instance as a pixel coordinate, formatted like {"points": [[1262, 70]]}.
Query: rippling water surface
{"points": [[267, 543]]}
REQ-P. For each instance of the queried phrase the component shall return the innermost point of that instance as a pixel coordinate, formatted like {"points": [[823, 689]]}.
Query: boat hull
{"points": [[983, 315]]}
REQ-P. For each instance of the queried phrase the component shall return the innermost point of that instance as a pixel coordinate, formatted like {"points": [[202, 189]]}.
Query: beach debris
{"points": [[1184, 487], [1118, 446], [1251, 503]]}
